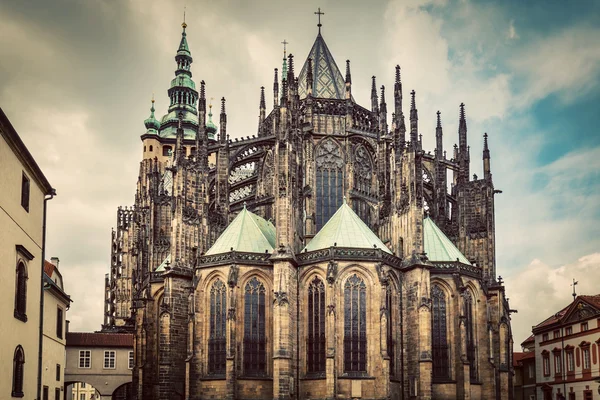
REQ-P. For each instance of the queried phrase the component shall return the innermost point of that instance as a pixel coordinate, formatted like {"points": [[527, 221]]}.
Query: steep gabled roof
{"points": [[248, 233], [345, 229], [328, 81], [564, 315], [97, 339], [437, 245]]}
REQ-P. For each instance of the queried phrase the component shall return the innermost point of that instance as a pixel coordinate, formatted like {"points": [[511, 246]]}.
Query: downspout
{"points": [[41, 333]]}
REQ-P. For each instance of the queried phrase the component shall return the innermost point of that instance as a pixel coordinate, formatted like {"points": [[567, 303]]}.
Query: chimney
{"points": [[55, 261]]}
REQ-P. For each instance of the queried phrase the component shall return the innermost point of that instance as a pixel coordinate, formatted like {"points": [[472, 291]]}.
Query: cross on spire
{"points": [[184, 25], [319, 13], [573, 284], [284, 43]]}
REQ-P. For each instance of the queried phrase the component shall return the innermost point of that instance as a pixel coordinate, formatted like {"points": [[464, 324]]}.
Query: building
{"points": [[567, 352], [24, 191], [56, 304], [103, 361], [82, 391], [524, 366], [328, 256]]}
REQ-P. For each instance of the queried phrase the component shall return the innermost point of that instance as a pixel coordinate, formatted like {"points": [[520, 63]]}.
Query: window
{"points": [[391, 345], [255, 349], [471, 346], [556, 334], [218, 318], [316, 327], [544, 337], [144, 149], [572, 396], [109, 359], [546, 363], [441, 363], [355, 326], [59, 323], [45, 393], [25, 192], [58, 372], [530, 371], [588, 395], [570, 361], [82, 385], [329, 183], [167, 150], [131, 363], [569, 330], [82, 396], [56, 393], [557, 363], [363, 177], [151, 148], [21, 293], [584, 326], [18, 361], [85, 359], [586, 358]]}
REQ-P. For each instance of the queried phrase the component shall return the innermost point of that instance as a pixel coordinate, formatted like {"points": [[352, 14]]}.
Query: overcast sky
{"points": [[76, 79]]}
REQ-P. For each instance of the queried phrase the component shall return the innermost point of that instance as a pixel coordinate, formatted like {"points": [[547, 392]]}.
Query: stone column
{"points": [[230, 332]]}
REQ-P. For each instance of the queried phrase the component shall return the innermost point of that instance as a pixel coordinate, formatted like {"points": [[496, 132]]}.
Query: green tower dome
{"points": [[211, 128], [152, 124]]}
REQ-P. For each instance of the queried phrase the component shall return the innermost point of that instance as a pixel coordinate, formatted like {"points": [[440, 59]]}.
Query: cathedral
{"points": [[327, 256]]}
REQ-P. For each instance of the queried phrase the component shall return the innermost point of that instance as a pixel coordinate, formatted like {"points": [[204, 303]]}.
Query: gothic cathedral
{"points": [[326, 257]]}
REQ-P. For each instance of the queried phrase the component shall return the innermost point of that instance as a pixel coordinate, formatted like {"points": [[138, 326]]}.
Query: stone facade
{"points": [[428, 328]]}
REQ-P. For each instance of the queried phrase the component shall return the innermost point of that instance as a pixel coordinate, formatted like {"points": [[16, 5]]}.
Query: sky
{"points": [[76, 80]]}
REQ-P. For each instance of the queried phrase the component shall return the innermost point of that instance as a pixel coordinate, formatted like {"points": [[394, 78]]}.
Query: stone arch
{"points": [[443, 329]]}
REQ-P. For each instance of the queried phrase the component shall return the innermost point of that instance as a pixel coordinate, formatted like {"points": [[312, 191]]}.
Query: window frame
{"points": [[316, 327], [130, 360], [570, 360], [85, 357], [110, 353], [60, 322], [57, 394], [25, 191], [21, 278], [584, 327], [58, 374], [18, 372], [217, 327], [355, 350], [441, 350], [255, 352], [546, 363]]}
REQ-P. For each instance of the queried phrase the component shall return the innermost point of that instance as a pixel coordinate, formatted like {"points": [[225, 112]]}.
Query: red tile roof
{"points": [[95, 339], [48, 268], [530, 339], [594, 300], [519, 357]]}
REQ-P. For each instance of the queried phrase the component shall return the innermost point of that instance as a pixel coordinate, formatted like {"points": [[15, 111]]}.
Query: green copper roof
{"points": [[437, 245], [210, 125], [183, 45], [247, 232], [328, 81], [345, 229], [152, 123], [162, 266]]}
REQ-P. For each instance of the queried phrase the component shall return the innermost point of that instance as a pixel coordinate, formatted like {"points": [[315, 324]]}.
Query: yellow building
{"points": [[56, 304], [23, 193]]}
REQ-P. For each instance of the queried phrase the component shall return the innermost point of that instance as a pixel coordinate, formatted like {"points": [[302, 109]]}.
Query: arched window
{"points": [[150, 147], [441, 364], [390, 338], [216, 340], [330, 179], [255, 349], [21, 293], [470, 328], [18, 364], [363, 178], [316, 327], [355, 326]]}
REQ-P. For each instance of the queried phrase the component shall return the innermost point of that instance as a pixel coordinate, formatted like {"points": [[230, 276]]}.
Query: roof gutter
{"points": [[49, 196]]}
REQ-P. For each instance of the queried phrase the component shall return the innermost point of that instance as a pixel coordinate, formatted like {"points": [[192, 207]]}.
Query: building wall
{"points": [[19, 227], [54, 352]]}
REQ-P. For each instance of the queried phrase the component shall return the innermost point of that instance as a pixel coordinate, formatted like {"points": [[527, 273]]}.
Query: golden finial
{"points": [[153, 97], [210, 102], [184, 25]]}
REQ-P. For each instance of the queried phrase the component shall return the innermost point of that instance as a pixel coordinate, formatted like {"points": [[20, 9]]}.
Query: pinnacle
{"points": [[412, 100], [397, 74], [439, 120]]}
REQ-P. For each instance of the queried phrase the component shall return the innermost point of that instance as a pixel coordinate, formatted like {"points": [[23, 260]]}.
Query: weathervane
{"points": [[573, 284], [319, 13]]}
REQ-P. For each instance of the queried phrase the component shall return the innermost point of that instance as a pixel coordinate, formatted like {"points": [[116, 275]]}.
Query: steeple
{"points": [[487, 173], [223, 123], [383, 113], [262, 111], [152, 125], [348, 81], [374, 101], [284, 68], [275, 90], [439, 146], [414, 118], [463, 148], [398, 97], [211, 128], [182, 93]]}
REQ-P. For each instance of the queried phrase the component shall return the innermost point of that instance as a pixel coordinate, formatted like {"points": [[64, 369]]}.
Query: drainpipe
{"points": [[41, 333]]}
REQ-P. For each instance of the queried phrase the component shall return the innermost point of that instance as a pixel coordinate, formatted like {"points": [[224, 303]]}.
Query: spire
{"points": [[463, 148], [183, 92], [262, 111], [413, 121], [487, 173], [374, 106], [348, 81], [398, 97], [284, 68], [383, 112], [152, 125], [275, 90], [262, 98], [290, 72], [439, 146], [211, 128], [319, 13], [309, 77], [223, 123]]}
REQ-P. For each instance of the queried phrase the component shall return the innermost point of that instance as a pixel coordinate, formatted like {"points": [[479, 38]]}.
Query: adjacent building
{"points": [[56, 304], [567, 352], [23, 193], [524, 367], [327, 256]]}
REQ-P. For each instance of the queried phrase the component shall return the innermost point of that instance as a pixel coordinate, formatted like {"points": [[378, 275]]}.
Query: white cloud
{"points": [[512, 31], [538, 290]]}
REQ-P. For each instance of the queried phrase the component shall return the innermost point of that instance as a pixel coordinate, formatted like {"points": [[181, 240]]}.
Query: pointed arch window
{"points": [[216, 339], [316, 327], [390, 339], [21, 293], [355, 326], [329, 182], [441, 364], [470, 329], [255, 348], [18, 371]]}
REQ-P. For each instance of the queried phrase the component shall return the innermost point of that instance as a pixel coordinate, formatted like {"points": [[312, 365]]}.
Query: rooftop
{"points": [[96, 339], [437, 245]]}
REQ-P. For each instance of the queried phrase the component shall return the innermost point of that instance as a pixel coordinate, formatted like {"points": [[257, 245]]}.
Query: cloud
{"points": [[538, 290], [512, 31]]}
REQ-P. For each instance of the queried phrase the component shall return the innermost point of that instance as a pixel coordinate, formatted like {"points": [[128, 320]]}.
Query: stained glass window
{"points": [[216, 340], [330, 179], [363, 179], [441, 367], [316, 327], [355, 326], [255, 351], [471, 346]]}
